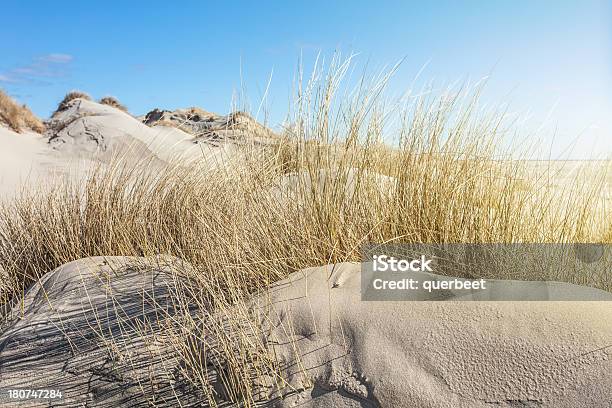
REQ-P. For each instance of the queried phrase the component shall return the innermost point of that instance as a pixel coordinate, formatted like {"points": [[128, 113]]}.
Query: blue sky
{"points": [[551, 59]]}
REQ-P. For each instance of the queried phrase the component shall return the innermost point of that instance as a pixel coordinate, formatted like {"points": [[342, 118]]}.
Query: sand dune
{"points": [[87, 127], [22, 157], [89, 329], [433, 354], [87, 134], [349, 353]]}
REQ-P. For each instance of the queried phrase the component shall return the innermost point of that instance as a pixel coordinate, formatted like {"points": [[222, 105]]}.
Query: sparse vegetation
{"points": [[18, 117], [114, 102], [70, 96], [177, 125], [310, 198], [203, 124]]}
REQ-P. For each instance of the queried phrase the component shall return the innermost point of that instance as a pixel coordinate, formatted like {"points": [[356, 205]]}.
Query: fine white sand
{"points": [[433, 354], [90, 330], [334, 349], [21, 156], [88, 135]]}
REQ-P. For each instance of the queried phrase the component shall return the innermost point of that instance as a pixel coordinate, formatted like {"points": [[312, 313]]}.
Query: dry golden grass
{"points": [[114, 102], [310, 198], [201, 123], [18, 117], [174, 124], [69, 97], [196, 113]]}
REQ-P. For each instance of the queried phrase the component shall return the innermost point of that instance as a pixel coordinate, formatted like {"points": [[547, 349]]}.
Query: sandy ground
{"points": [[91, 330], [23, 157], [95, 329], [93, 135], [433, 354]]}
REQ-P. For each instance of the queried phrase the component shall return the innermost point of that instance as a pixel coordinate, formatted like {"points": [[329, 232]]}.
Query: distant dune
{"points": [[84, 134]]}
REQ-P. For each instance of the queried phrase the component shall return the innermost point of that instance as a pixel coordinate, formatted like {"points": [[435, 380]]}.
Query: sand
{"points": [[89, 127], [91, 330], [88, 135], [447, 354], [22, 156]]}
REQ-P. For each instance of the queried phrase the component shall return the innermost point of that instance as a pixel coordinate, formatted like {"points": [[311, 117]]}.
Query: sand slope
{"points": [[447, 354], [89, 127], [92, 329], [86, 135], [23, 157]]}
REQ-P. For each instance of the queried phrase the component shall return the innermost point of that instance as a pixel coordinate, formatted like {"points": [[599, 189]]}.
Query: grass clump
{"points": [[70, 96], [18, 117], [114, 102]]}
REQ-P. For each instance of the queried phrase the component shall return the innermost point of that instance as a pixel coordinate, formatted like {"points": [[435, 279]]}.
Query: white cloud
{"points": [[56, 58], [40, 70]]}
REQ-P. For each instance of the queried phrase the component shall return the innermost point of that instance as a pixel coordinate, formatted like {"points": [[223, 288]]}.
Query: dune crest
{"points": [[83, 134]]}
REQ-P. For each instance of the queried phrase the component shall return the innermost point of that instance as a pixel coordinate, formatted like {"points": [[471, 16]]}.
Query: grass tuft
{"points": [[18, 117], [70, 96], [114, 102]]}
